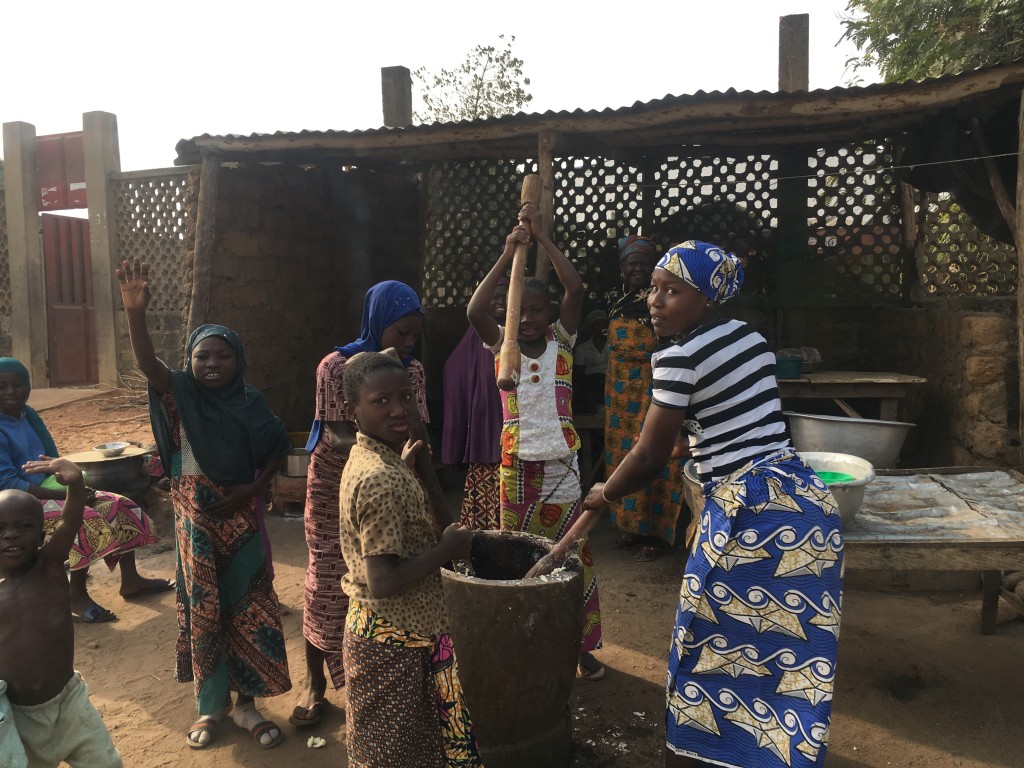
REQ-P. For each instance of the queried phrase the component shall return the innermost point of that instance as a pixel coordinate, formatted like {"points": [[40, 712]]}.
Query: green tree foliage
{"points": [[916, 39], [488, 83]]}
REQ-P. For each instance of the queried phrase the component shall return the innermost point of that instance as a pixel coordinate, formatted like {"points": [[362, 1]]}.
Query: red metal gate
{"points": [[71, 319]]}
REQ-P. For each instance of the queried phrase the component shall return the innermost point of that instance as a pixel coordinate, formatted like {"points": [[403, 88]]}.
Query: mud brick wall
{"points": [[296, 249]]}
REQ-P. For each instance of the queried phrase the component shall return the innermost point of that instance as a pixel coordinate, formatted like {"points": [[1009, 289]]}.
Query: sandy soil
{"points": [[918, 685]]}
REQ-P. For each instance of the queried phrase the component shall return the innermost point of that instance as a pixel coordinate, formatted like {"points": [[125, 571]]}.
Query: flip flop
{"points": [[260, 727], [94, 614], [626, 541], [647, 554], [156, 587], [302, 717], [200, 727], [590, 668]]}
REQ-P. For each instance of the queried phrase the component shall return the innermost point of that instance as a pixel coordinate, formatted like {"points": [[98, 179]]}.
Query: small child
{"points": [[540, 478], [405, 704], [45, 713]]}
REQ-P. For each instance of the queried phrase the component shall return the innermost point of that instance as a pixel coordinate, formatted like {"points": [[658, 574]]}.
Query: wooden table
{"points": [[887, 388], [998, 547]]}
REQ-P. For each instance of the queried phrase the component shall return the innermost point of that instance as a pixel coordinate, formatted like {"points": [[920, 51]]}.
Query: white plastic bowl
{"points": [[109, 450], [849, 496]]}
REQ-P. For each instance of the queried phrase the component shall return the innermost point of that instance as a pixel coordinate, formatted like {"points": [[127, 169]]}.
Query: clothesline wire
{"points": [[838, 171]]}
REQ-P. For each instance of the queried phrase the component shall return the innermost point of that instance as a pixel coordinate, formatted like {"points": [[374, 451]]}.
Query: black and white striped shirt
{"points": [[723, 374]]}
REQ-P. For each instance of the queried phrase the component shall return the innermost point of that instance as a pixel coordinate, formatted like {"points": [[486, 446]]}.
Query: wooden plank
{"points": [[1019, 238], [799, 388], [862, 377], [944, 556], [846, 408], [206, 232]]}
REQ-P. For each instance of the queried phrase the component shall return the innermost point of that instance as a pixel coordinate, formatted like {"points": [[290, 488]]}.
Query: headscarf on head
{"points": [[709, 269], [633, 304], [231, 429], [10, 365], [637, 244], [384, 304]]}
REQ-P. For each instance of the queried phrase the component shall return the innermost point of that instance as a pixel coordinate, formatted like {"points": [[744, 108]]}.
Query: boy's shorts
{"points": [[66, 728]]}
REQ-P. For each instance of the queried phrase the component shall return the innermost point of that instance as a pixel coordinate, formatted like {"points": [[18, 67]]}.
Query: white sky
{"points": [[179, 69]]}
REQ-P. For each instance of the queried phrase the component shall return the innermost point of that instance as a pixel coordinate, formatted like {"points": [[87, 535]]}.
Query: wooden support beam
{"points": [[547, 142], [995, 179], [206, 232], [1018, 230]]}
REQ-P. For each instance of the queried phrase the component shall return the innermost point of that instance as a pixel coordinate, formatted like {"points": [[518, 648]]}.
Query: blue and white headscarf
{"points": [[709, 269]]}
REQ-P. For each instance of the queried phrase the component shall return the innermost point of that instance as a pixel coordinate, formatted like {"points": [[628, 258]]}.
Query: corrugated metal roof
{"points": [[731, 116]]}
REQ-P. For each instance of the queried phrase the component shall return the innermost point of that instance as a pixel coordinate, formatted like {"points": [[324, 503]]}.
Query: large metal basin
{"points": [[877, 442]]}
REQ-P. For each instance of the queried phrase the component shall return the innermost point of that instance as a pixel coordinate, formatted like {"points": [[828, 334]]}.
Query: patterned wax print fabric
{"points": [[229, 622], [709, 269], [325, 602], [543, 496], [112, 526], [405, 703], [752, 661], [383, 511], [481, 499], [654, 510]]}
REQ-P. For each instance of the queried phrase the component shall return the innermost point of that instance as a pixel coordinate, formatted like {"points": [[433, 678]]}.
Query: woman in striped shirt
{"points": [[752, 659]]}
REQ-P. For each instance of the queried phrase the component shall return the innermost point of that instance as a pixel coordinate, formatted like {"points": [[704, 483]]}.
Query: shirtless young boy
{"points": [[45, 713]]}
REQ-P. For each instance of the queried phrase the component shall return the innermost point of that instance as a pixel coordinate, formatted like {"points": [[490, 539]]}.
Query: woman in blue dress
{"points": [[753, 652]]}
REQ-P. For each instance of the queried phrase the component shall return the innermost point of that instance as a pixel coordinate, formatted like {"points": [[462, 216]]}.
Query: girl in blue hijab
{"points": [[392, 317]]}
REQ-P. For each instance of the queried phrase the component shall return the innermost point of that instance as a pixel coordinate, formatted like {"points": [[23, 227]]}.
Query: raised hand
{"points": [[66, 472], [134, 278]]}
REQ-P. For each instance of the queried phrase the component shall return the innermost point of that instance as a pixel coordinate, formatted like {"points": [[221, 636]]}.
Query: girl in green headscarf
{"points": [[221, 444]]}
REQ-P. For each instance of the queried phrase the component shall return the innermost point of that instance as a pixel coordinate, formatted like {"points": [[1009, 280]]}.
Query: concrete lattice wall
{"points": [[294, 253]]}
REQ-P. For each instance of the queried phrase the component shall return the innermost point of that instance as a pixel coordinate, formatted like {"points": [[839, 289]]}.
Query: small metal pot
{"points": [[296, 463]]}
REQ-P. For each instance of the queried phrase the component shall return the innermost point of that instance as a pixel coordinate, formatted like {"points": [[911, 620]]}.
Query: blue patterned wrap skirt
{"points": [[753, 655]]}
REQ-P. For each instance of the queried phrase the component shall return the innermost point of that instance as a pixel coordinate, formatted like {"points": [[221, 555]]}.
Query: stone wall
{"points": [[295, 251]]}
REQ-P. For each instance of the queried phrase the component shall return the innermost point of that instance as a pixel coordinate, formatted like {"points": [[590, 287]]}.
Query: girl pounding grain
{"points": [[405, 705], [540, 478], [222, 445]]}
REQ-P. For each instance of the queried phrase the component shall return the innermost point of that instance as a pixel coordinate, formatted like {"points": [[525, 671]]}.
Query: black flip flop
{"points": [[313, 715]]}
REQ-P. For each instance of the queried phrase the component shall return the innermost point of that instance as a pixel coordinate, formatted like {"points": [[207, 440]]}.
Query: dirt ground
{"points": [[917, 684]]}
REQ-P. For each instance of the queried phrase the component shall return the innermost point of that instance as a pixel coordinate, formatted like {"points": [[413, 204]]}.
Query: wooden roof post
{"points": [[547, 141], [1018, 237], [794, 41], [396, 96], [206, 232]]}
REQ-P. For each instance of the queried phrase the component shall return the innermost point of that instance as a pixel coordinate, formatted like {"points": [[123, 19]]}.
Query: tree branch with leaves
{"points": [[917, 39], [488, 83]]}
